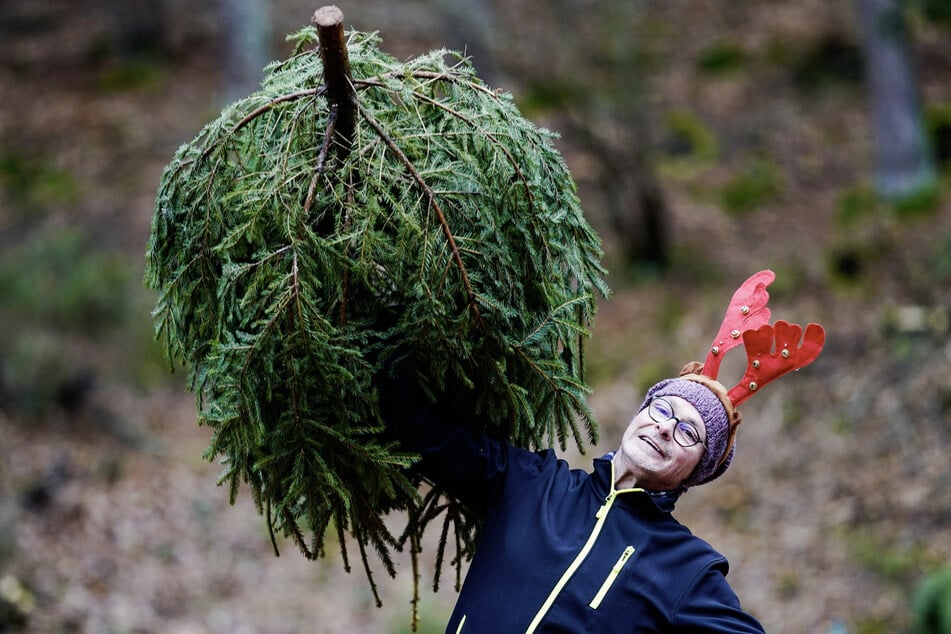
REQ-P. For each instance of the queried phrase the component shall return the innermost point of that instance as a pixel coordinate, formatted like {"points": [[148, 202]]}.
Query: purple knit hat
{"points": [[715, 421]]}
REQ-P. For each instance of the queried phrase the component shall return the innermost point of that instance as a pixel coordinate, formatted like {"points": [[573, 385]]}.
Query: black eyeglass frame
{"points": [[680, 425]]}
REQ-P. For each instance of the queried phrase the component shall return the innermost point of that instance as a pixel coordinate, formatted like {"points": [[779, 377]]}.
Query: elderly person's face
{"points": [[652, 454]]}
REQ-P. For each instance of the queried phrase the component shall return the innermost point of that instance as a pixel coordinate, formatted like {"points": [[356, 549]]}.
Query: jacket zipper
{"points": [[609, 581], [601, 516]]}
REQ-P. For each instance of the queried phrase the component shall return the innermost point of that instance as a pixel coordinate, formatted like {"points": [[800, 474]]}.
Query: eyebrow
{"points": [[676, 411], [701, 426]]}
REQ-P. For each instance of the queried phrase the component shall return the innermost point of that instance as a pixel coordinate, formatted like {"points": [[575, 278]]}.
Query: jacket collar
{"points": [[662, 501]]}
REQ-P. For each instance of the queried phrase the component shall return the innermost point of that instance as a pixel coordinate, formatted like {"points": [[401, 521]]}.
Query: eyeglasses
{"points": [[686, 433]]}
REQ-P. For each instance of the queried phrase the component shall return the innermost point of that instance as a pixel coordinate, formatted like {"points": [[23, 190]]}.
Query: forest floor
{"points": [[839, 502]]}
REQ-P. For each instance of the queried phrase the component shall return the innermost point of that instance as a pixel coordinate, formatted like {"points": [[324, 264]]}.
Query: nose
{"points": [[666, 429]]}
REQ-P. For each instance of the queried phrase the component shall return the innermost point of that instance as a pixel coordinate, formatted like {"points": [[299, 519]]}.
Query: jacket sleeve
{"points": [[454, 454], [710, 605]]}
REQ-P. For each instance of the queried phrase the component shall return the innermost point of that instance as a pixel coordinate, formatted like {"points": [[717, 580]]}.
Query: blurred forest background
{"points": [[709, 139]]}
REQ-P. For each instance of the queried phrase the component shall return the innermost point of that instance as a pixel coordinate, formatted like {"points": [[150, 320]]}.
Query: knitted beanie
{"points": [[715, 420]]}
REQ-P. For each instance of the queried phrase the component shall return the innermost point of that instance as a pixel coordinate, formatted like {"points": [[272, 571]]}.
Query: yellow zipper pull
{"points": [[607, 504], [612, 575], [624, 557]]}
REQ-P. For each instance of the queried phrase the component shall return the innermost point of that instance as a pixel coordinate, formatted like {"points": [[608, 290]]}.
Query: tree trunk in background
{"points": [[636, 204], [468, 29], [246, 31], [633, 200], [904, 164], [615, 136], [138, 27]]}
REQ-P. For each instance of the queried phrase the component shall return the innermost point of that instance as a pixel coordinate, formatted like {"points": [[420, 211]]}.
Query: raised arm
{"points": [[454, 454]]}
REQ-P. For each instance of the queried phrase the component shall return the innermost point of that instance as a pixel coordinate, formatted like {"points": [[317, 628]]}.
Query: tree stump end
{"points": [[327, 16]]}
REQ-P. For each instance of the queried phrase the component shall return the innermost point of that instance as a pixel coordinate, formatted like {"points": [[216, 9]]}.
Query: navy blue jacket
{"points": [[562, 551]]}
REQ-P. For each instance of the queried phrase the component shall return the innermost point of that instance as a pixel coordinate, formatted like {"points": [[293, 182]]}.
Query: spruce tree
{"points": [[302, 245]]}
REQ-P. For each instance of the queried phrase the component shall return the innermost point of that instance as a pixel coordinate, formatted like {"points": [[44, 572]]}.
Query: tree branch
{"points": [[251, 116], [431, 199]]}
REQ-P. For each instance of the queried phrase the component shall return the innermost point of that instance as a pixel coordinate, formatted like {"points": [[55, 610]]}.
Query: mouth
{"points": [[653, 445]]}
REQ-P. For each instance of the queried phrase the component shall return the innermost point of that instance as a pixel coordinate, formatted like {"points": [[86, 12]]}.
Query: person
{"points": [[569, 550]]}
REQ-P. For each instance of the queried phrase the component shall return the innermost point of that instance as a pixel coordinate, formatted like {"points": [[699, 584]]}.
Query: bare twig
{"points": [[321, 159]]}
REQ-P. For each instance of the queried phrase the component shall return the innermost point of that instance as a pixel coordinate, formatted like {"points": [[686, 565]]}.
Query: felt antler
{"points": [[773, 351], [747, 311]]}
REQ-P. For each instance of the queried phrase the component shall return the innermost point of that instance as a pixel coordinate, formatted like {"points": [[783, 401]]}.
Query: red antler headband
{"points": [[771, 351]]}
